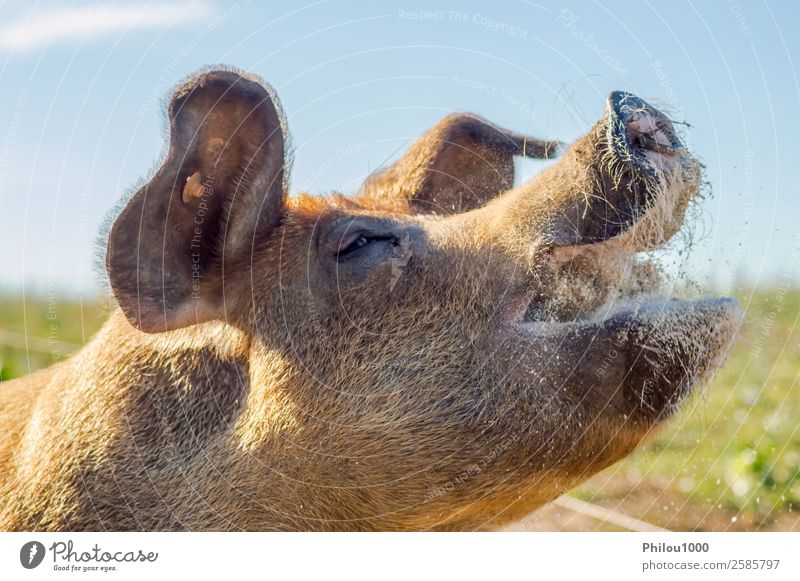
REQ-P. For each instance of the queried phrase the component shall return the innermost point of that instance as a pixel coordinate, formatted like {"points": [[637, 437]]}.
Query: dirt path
{"points": [[636, 511]]}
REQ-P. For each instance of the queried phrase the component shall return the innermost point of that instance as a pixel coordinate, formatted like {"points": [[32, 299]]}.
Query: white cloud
{"points": [[84, 22]]}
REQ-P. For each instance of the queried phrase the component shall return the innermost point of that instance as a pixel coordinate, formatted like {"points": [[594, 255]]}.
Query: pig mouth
{"points": [[609, 296], [662, 346], [666, 346], [648, 180]]}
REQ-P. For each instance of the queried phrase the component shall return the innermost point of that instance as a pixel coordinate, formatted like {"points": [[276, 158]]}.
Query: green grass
{"points": [[730, 460], [37, 333]]}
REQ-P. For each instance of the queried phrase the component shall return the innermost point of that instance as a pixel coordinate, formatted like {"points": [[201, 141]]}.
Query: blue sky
{"points": [[83, 85]]}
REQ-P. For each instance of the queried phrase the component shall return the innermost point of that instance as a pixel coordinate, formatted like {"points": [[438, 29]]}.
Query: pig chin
{"points": [[662, 349]]}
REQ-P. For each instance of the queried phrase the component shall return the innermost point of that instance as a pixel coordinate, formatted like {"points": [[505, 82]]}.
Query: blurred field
{"points": [[39, 332], [730, 461]]}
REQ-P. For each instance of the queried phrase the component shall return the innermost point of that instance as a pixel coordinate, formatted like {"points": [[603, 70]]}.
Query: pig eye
{"points": [[359, 241]]}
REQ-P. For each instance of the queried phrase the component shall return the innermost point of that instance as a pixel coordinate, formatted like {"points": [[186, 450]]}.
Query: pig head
{"points": [[439, 351]]}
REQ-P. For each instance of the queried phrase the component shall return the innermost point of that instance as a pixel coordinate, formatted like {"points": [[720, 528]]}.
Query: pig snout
{"points": [[640, 134]]}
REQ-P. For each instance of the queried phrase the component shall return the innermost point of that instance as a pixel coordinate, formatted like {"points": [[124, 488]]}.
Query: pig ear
{"points": [[457, 165], [219, 192]]}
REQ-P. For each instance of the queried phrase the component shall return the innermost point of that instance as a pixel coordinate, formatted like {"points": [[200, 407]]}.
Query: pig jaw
{"points": [[643, 356]]}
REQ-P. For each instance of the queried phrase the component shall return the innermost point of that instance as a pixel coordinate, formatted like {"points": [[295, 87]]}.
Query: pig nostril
{"points": [[637, 140]]}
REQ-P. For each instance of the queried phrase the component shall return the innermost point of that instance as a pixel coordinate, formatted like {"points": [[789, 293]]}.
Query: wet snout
{"points": [[631, 169], [639, 133]]}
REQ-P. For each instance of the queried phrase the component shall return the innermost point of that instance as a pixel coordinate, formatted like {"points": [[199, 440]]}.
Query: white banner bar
{"points": [[353, 556]]}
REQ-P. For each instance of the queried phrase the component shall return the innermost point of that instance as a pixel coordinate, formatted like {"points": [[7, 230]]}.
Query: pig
{"points": [[439, 351]]}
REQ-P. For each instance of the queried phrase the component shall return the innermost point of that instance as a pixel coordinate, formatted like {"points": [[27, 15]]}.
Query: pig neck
{"points": [[154, 423]]}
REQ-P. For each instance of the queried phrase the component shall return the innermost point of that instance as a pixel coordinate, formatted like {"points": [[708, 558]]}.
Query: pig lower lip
{"points": [[663, 349], [724, 312], [668, 346]]}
